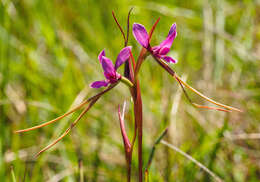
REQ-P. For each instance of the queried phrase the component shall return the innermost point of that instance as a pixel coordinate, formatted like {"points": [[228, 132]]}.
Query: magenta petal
{"points": [[141, 35], [122, 56], [102, 53], [99, 84], [108, 67], [171, 36], [155, 48], [164, 50], [169, 59]]}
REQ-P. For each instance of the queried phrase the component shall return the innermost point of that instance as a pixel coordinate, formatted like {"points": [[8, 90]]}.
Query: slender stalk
{"points": [[197, 105], [93, 101], [128, 25], [129, 166], [138, 110], [68, 113], [68, 129], [129, 73], [127, 64], [132, 93], [205, 97], [119, 26], [56, 119], [172, 73], [126, 81]]}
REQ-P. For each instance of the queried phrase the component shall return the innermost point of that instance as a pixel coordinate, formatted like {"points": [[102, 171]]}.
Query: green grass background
{"points": [[48, 57]]}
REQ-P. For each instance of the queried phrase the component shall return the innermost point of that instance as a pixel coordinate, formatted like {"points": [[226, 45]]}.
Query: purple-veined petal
{"points": [[108, 67], [141, 34], [170, 38], [122, 56], [102, 53], [98, 84], [169, 59]]}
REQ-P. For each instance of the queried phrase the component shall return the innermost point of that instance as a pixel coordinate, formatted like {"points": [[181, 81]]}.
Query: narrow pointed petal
{"points": [[98, 84], [170, 38], [101, 54], [141, 34], [108, 67], [169, 59], [122, 56]]}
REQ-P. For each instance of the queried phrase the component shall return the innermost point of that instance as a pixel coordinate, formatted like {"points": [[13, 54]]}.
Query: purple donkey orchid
{"points": [[109, 69], [161, 50]]}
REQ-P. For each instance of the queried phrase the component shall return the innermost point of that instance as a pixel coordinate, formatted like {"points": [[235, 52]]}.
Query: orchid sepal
{"points": [[160, 51], [110, 70]]}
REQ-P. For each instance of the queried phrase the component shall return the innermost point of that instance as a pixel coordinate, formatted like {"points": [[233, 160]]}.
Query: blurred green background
{"points": [[48, 57]]}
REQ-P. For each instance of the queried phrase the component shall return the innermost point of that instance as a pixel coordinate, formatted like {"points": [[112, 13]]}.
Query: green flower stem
{"points": [[127, 82]]}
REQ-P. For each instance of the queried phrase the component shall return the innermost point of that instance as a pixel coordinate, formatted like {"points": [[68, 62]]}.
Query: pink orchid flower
{"points": [[109, 69], [161, 50]]}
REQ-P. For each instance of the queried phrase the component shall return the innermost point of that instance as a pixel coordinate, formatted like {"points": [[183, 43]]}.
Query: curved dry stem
{"points": [[207, 107], [54, 120], [69, 129], [198, 105], [172, 73], [68, 113], [205, 97], [93, 100]]}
